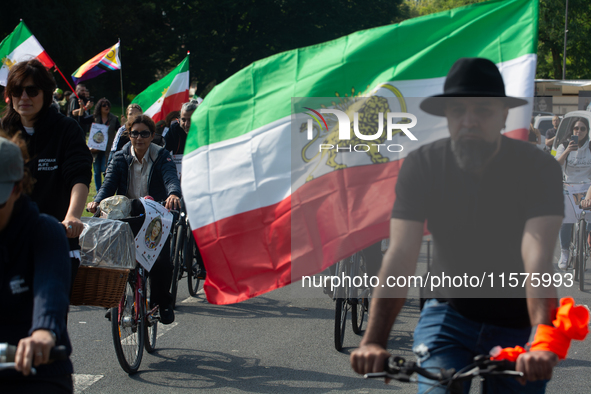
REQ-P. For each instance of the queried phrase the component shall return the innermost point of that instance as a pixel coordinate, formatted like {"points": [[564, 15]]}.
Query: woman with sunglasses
{"points": [[575, 159], [102, 115], [60, 161], [142, 168]]}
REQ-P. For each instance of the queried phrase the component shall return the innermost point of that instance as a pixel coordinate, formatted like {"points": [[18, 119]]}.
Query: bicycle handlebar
{"points": [[399, 369], [8, 353]]}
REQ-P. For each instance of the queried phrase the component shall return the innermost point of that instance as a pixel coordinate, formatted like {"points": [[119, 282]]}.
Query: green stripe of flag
{"points": [[149, 96], [20, 34], [419, 48]]}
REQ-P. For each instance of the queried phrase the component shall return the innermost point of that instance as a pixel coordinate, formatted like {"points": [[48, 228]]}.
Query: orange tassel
{"points": [[572, 322]]}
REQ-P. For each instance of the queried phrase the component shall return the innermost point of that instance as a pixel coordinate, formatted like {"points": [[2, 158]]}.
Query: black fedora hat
{"points": [[471, 77]]}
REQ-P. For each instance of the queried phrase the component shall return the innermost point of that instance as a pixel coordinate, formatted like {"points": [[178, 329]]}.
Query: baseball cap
{"points": [[11, 168]]}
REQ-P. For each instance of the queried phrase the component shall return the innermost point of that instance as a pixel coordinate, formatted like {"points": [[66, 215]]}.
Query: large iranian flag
{"points": [[21, 45], [264, 207], [166, 95]]}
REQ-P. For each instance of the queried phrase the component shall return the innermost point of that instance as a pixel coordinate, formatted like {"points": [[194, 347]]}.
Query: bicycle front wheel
{"points": [[341, 307], [192, 265], [127, 329], [179, 250], [150, 323], [358, 306], [340, 322], [581, 255]]}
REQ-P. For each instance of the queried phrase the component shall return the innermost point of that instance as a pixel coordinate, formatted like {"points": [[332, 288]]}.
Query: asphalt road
{"points": [[278, 342]]}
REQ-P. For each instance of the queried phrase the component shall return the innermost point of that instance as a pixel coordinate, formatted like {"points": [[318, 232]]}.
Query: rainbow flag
{"points": [[105, 61]]}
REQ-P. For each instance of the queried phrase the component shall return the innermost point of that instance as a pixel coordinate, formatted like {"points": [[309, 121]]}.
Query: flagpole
{"points": [[71, 88], [121, 78]]}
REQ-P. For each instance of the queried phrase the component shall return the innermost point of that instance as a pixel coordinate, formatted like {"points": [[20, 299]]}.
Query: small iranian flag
{"points": [[266, 205], [166, 95], [19, 46]]}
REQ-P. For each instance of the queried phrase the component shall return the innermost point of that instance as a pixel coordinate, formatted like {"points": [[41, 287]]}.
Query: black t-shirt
{"points": [[477, 223]]}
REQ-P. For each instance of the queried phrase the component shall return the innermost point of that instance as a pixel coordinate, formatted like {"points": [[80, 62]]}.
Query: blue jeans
{"points": [[565, 233], [445, 339], [99, 167]]}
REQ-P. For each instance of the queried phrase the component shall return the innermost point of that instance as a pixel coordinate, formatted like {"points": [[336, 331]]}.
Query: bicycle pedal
{"points": [[153, 318]]}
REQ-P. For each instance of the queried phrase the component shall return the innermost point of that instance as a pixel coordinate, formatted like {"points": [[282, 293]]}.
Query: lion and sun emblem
{"points": [[368, 109]]}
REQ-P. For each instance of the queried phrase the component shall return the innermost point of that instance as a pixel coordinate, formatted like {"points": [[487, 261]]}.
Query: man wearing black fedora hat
{"points": [[493, 206]]}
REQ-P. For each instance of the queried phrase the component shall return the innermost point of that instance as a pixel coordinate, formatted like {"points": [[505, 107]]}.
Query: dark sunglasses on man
{"points": [[32, 91], [143, 134]]}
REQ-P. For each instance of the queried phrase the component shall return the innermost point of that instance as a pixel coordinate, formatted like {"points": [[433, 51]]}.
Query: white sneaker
{"points": [[564, 255]]}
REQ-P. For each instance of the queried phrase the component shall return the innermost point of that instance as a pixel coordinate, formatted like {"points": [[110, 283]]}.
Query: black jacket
{"points": [[176, 139], [59, 160], [162, 182], [34, 281]]}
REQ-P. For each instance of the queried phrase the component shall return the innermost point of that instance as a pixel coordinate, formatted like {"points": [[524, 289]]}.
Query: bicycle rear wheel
{"points": [[341, 308], [192, 265], [150, 323], [572, 259], [359, 304], [128, 329], [179, 249], [581, 255]]}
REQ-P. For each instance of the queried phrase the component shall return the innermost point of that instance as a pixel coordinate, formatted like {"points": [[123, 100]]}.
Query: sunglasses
{"points": [[582, 128], [32, 91], [107, 105], [143, 134]]}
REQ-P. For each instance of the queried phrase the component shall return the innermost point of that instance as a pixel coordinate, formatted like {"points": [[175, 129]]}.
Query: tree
{"points": [[550, 36], [551, 39], [223, 36]]}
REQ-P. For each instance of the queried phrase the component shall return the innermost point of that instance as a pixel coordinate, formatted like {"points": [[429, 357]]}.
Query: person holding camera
{"points": [[574, 156], [83, 101]]}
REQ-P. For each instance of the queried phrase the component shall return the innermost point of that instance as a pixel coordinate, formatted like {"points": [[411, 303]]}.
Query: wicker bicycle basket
{"points": [[107, 255], [97, 286]]}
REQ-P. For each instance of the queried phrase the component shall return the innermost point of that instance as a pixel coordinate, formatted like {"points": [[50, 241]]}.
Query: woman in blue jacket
{"points": [[142, 168]]}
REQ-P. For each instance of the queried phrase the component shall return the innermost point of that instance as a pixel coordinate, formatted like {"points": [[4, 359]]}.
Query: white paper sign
{"points": [[573, 195], [178, 160], [153, 234], [98, 136]]}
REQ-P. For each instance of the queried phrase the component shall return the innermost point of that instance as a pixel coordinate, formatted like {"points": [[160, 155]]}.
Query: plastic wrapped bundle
{"points": [[115, 207], [107, 243]]}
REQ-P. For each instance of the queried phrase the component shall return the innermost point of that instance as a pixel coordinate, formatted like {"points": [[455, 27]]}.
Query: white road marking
{"points": [[162, 329], [193, 300], [82, 382]]}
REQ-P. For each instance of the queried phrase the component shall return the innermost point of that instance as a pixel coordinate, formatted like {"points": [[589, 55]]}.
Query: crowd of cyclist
{"points": [[45, 175]]}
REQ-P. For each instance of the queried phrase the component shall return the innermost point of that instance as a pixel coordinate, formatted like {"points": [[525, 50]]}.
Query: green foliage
{"points": [[551, 39], [550, 36], [225, 36], [426, 7]]}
